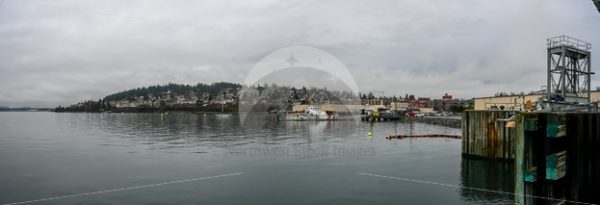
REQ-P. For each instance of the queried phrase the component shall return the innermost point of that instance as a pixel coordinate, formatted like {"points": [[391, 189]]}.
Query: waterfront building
{"points": [[515, 102]]}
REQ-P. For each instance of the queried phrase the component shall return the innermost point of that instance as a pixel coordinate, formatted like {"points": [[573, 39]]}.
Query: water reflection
{"points": [[488, 175], [283, 162], [180, 130]]}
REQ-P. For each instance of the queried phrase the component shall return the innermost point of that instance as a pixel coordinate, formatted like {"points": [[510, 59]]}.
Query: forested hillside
{"points": [[173, 89]]}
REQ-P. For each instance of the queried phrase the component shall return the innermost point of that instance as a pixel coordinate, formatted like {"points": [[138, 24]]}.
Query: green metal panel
{"points": [[556, 166], [556, 125], [530, 124], [530, 174]]}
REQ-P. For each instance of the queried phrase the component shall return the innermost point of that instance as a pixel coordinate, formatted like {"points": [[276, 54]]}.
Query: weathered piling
{"points": [[557, 158], [583, 151], [556, 155], [485, 135], [487, 174]]}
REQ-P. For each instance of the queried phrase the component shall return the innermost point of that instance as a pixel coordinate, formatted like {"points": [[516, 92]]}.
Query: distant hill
{"points": [[199, 97], [216, 97], [214, 89]]}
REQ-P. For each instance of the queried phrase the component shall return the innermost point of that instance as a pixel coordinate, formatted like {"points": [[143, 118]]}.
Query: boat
{"points": [[312, 112], [223, 114]]}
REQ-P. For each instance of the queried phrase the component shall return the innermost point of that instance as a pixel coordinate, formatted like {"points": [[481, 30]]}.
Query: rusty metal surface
{"points": [[485, 134]]}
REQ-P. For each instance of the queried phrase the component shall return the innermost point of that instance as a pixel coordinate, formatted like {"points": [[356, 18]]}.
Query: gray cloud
{"points": [[61, 52]]}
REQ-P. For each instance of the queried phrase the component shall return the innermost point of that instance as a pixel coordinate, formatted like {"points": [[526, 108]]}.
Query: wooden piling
{"points": [[485, 135]]}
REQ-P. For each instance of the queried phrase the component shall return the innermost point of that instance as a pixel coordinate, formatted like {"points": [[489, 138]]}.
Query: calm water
{"points": [[46, 155]]}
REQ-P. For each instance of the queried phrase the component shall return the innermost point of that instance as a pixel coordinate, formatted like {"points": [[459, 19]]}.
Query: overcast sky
{"points": [[62, 52]]}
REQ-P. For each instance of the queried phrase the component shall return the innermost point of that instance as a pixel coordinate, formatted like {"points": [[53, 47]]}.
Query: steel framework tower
{"points": [[569, 74]]}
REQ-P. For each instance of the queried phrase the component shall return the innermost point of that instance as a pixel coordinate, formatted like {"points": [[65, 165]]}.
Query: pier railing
{"points": [[564, 40]]}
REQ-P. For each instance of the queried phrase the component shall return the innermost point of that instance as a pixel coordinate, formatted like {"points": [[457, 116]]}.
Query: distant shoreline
{"points": [[150, 110], [25, 109]]}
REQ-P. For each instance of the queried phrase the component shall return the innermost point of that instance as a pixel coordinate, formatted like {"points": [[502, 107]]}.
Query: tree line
{"points": [[213, 89]]}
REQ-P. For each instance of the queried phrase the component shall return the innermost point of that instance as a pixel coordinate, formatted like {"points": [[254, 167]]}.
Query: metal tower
{"points": [[569, 74]]}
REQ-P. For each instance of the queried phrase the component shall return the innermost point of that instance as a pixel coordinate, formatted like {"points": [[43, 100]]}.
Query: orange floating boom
{"points": [[423, 136]]}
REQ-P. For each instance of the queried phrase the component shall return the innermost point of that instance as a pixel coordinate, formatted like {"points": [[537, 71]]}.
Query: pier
{"points": [[454, 122], [383, 118], [553, 145], [555, 154]]}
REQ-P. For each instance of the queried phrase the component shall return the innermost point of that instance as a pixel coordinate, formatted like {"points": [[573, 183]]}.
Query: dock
{"points": [[555, 154], [454, 122]]}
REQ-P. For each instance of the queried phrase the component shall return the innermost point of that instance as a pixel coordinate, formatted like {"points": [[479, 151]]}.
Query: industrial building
{"points": [[568, 85], [515, 102]]}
